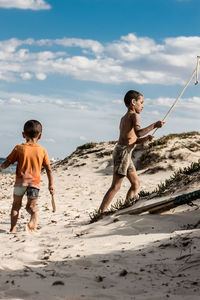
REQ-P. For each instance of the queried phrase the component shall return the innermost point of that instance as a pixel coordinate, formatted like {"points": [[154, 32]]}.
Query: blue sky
{"points": [[69, 64]]}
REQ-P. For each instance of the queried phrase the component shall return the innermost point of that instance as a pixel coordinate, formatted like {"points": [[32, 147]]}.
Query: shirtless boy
{"points": [[30, 157], [130, 135]]}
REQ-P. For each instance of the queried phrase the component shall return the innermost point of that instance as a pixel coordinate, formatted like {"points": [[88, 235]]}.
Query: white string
{"points": [[179, 96]]}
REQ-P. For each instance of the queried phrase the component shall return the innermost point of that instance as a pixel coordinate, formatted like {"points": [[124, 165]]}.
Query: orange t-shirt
{"points": [[30, 158]]}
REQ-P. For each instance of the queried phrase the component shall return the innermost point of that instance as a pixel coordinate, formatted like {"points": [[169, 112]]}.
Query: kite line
{"points": [[183, 90]]}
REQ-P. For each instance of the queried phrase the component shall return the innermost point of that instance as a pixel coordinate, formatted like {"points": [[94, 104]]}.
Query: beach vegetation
{"points": [[118, 205], [86, 146], [174, 149], [164, 139], [152, 153], [176, 177], [148, 157], [192, 145], [112, 142]]}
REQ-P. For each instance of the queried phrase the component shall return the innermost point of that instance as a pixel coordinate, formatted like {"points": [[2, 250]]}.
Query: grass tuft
{"points": [[118, 205], [86, 146], [95, 216]]}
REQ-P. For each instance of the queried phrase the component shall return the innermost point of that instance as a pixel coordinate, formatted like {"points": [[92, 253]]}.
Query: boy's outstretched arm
{"points": [[143, 131], [5, 165], [50, 178]]}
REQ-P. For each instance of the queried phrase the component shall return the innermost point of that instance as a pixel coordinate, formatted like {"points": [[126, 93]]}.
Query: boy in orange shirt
{"points": [[30, 158]]}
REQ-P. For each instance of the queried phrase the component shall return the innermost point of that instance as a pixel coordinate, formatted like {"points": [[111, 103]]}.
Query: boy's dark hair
{"points": [[131, 95], [32, 128]]}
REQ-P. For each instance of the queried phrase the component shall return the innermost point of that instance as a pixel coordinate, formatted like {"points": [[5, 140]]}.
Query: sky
{"points": [[69, 63]]}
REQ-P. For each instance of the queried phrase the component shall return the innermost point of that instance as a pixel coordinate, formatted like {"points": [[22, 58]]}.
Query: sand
{"points": [[128, 257]]}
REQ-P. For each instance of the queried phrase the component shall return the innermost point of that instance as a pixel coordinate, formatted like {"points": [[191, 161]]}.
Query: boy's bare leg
{"points": [[115, 186], [135, 184], [32, 210], [17, 203]]}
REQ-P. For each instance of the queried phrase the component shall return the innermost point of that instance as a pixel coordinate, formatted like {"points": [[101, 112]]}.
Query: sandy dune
{"points": [[119, 257]]}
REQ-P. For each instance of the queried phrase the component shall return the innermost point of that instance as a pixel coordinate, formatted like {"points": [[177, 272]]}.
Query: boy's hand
{"points": [[51, 190], [159, 124], [150, 137]]}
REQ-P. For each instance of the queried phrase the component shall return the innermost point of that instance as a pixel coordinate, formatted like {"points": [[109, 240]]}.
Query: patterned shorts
{"points": [[122, 158], [31, 192]]}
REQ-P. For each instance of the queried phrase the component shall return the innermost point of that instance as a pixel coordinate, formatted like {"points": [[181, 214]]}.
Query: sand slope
{"points": [[125, 257]]}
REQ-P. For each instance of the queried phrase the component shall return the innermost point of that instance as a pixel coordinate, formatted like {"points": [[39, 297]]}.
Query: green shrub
{"points": [[86, 146], [174, 149]]}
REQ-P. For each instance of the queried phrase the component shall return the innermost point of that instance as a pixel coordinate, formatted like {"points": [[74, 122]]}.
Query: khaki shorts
{"points": [[122, 158]]}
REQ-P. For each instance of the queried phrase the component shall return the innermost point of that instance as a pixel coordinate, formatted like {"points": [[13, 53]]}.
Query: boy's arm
{"points": [[143, 131], [50, 178], [5, 165], [145, 139]]}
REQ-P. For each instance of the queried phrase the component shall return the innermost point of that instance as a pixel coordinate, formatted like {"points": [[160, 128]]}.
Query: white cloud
{"points": [[165, 101], [59, 102], [9, 45], [64, 126], [25, 4], [94, 46], [186, 107], [130, 59], [26, 76], [117, 101], [50, 140], [83, 138], [63, 123], [155, 113], [131, 47], [41, 76], [15, 100]]}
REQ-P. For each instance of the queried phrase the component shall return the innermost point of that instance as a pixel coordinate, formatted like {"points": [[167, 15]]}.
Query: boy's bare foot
{"points": [[13, 230], [33, 222]]}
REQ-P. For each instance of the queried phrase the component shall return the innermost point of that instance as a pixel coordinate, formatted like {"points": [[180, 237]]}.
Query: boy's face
{"points": [[138, 104]]}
